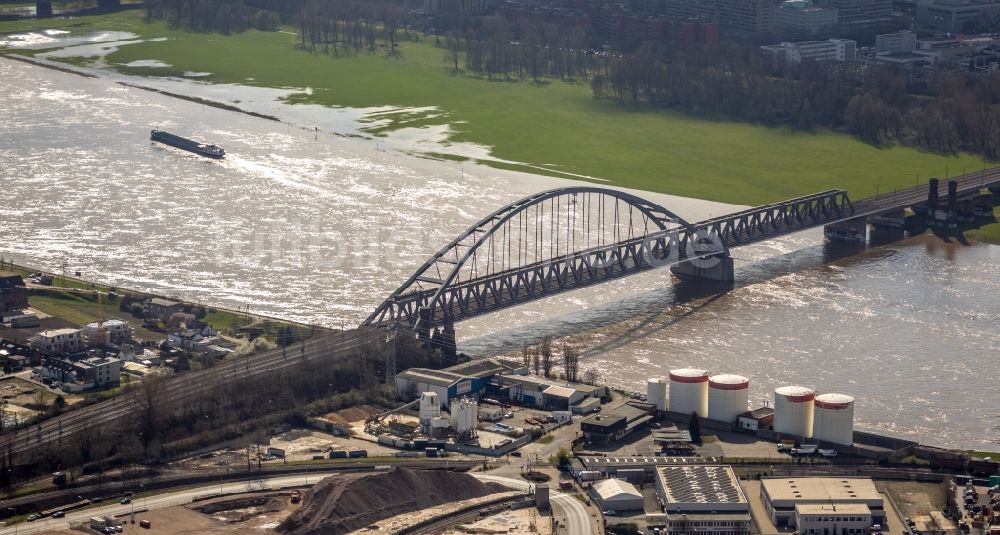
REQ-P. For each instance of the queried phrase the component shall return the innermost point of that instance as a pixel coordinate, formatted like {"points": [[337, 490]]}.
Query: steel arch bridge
{"points": [[541, 245]]}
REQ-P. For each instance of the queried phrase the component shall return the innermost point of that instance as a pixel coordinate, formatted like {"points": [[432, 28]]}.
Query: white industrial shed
{"points": [[616, 495]]}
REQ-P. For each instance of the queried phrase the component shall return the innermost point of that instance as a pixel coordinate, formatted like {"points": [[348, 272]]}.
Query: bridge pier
{"points": [[887, 227], [851, 231], [716, 268], [43, 10]]}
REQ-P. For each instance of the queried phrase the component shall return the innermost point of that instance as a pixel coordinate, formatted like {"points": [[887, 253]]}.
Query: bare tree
{"points": [[546, 351]]}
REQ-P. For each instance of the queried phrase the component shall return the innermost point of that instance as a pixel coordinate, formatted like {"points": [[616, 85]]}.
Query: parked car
{"points": [[32, 518], [125, 501], [58, 514]]}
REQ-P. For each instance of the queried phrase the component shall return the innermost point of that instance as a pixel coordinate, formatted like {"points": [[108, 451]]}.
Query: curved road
{"points": [[578, 519]]}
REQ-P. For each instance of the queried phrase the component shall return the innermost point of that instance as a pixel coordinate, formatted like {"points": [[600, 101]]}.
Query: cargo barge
{"points": [[201, 149]]}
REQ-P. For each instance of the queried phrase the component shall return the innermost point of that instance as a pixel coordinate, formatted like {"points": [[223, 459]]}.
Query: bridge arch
{"points": [[543, 244]]}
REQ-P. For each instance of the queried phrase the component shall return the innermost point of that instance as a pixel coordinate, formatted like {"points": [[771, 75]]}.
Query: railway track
{"points": [[179, 388]]}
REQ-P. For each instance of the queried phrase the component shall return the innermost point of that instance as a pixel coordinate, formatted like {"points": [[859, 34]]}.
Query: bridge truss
{"points": [[543, 244]]}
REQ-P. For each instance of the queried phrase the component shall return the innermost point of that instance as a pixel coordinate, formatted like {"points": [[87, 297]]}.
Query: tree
{"points": [[571, 362], [591, 376], [546, 351], [694, 427], [453, 48]]}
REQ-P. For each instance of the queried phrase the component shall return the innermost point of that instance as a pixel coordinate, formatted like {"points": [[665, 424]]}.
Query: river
{"points": [[320, 226]]}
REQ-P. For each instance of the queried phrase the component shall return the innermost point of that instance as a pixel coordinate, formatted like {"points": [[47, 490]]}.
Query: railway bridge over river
{"points": [[570, 238]]}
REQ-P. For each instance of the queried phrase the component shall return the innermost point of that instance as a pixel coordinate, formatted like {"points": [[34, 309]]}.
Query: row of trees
{"points": [[542, 360], [523, 49], [351, 25], [224, 16]]}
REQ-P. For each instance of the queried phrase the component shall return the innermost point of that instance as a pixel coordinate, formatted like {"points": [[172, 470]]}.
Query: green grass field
{"points": [[557, 126]]}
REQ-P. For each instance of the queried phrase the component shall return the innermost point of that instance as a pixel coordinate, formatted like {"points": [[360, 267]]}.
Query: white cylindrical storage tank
{"points": [[465, 416], [689, 391], [793, 410], [833, 418], [728, 397], [656, 392]]}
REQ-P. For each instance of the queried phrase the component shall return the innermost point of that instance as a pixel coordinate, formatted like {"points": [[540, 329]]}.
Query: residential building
{"points": [[13, 292], [102, 371], [781, 496], [702, 499], [832, 519], [58, 341], [114, 331], [839, 50], [803, 17], [14, 355], [746, 20], [161, 309], [613, 425], [616, 495], [892, 43]]}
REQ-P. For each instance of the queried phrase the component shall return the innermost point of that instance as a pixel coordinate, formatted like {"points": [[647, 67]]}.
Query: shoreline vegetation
{"points": [[554, 127]]}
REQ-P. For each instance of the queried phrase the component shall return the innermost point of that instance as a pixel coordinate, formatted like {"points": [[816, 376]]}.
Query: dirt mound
{"points": [[263, 502], [352, 414], [344, 503]]}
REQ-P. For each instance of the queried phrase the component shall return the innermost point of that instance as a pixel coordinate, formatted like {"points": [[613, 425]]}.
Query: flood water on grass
{"points": [[318, 227]]}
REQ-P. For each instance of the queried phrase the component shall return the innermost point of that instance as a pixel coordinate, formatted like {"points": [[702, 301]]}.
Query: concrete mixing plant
{"points": [[464, 416], [656, 393], [833, 418], [689, 391], [793, 410], [728, 397]]}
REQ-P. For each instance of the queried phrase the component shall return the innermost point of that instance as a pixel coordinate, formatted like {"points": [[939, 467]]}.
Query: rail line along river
{"points": [[318, 227]]}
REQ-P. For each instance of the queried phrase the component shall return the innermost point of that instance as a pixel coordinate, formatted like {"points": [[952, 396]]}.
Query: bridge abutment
{"points": [[716, 268]]}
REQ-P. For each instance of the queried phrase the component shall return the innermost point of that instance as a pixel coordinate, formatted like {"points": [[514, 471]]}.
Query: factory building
{"points": [[702, 499], [793, 410], [844, 519], [783, 498], [613, 425], [616, 495], [543, 392], [468, 379]]}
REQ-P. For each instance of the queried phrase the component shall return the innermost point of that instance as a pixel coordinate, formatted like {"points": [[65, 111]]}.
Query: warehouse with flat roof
{"points": [[781, 496], [702, 500]]}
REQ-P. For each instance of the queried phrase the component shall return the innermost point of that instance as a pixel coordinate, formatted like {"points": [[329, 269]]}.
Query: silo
{"points": [[689, 391], [793, 410], [728, 397], [833, 418], [656, 392], [465, 415]]}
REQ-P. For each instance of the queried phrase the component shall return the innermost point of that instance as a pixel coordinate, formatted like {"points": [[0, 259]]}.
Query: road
{"points": [[578, 519]]}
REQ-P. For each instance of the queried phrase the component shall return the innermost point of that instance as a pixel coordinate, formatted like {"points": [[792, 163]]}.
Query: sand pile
{"points": [[344, 503]]}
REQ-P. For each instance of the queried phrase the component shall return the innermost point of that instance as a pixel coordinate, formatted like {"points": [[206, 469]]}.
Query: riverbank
{"points": [[554, 128], [75, 300]]}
